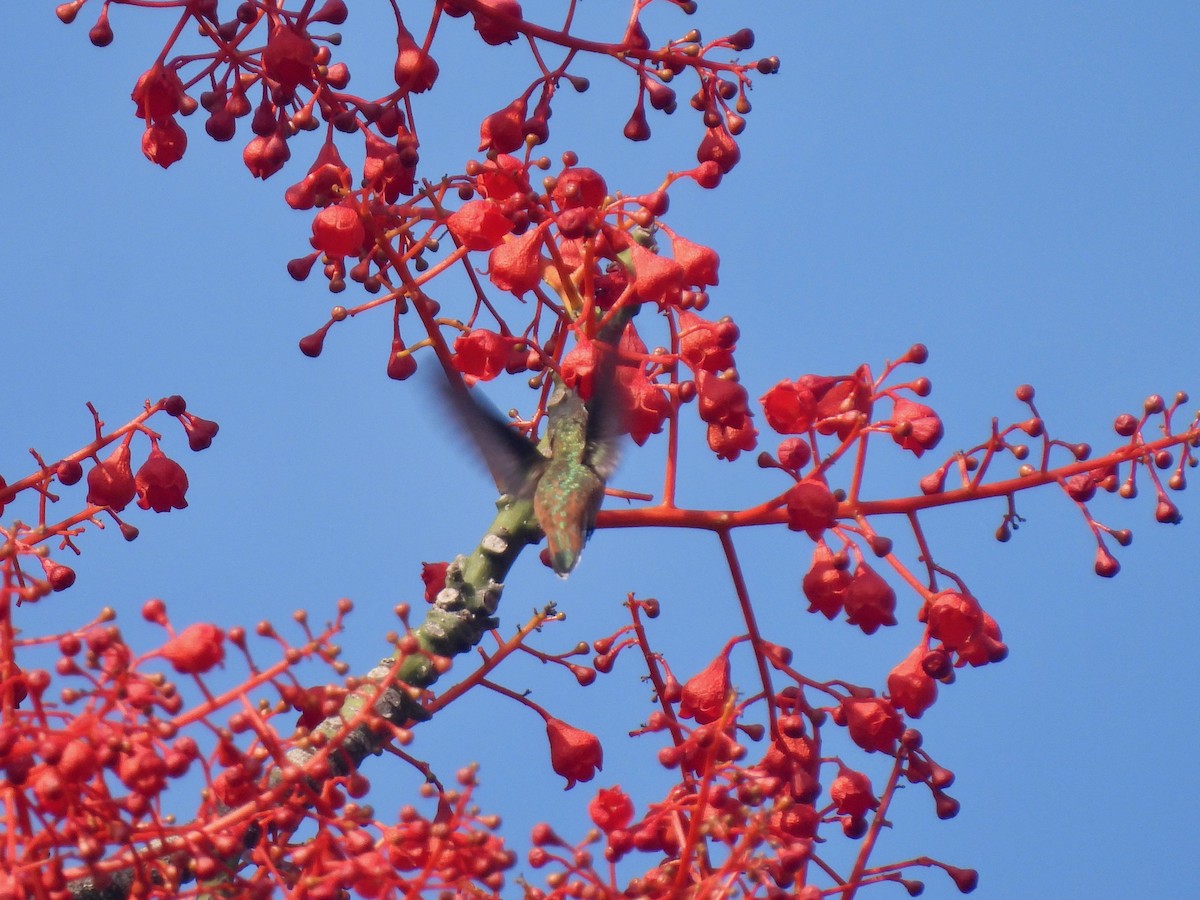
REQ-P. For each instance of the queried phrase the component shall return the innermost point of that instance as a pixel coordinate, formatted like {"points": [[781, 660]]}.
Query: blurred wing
{"points": [[605, 424], [510, 457]]}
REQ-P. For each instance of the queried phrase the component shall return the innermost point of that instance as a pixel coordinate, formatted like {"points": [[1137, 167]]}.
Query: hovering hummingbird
{"points": [[567, 485]]}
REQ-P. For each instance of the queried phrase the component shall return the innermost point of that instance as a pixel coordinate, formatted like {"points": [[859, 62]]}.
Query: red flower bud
{"points": [[579, 187], [196, 649], [574, 754], [289, 58], [161, 483], [110, 483]]}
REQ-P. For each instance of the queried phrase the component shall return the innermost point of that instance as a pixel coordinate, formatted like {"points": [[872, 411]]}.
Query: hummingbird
{"points": [[566, 480]]}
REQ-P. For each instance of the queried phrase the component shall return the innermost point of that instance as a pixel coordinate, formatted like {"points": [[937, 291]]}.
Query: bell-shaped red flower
{"points": [[705, 693], [910, 687], [161, 483], [196, 649], [110, 483], [575, 754]]}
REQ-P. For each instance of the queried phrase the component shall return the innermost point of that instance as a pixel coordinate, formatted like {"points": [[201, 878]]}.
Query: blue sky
{"points": [[1014, 184]]}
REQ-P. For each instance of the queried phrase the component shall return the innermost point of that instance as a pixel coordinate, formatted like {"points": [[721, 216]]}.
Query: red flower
{"points": [[699, 262], [910, 687], [825, 584], [579, 187], [289, 57], [851, 793], [574, 754], [728, 443], [811, 508], [705, 693], [718, 146], [196, 649], [656, 277], [479, 225], [722, 400], [516, 264], [504, 130], [434, 577], [646, 409], [264, 156], [415, 70], [493, 30], [110, 483], [611, 809], [338, 231], [386, 170], [164, 143], [704, 344], [481, 354], [915, 427], [328, 177], [502, 178], [870, 601], [985, 646], [953, 618], [791, 406], [873, 723], [161, 483], [157, 94]]}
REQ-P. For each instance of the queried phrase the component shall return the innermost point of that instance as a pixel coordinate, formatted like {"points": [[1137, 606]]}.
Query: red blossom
{"points": [[870, 601], [719, 147], [811, 508], [706, 693], [492, 29], [656, 277], [645, 410], [504, 130], [386, 170], [164, 143], [502, 178], [699, 262], [264, 156], [722, 401], [110, 483], [706, 345], [851, 793], [793, 453], [328, 179], [196, 649], [579, 367], [479, 225], [916, 427], [481, 354], [415, 70], [338, 231], [575, 754], [157, 94], [985, 647], [161, 483], [434, 577], [728, 443], [579, 187], [289, 57], [825, 584], [611, 809], [791, 406], [516, 264], [910, 687], [873, 723], [953, 618]]}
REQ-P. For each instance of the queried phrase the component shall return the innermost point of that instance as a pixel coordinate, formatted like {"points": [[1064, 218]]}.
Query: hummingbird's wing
{"points": [[605, 424], [511, 458]]}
